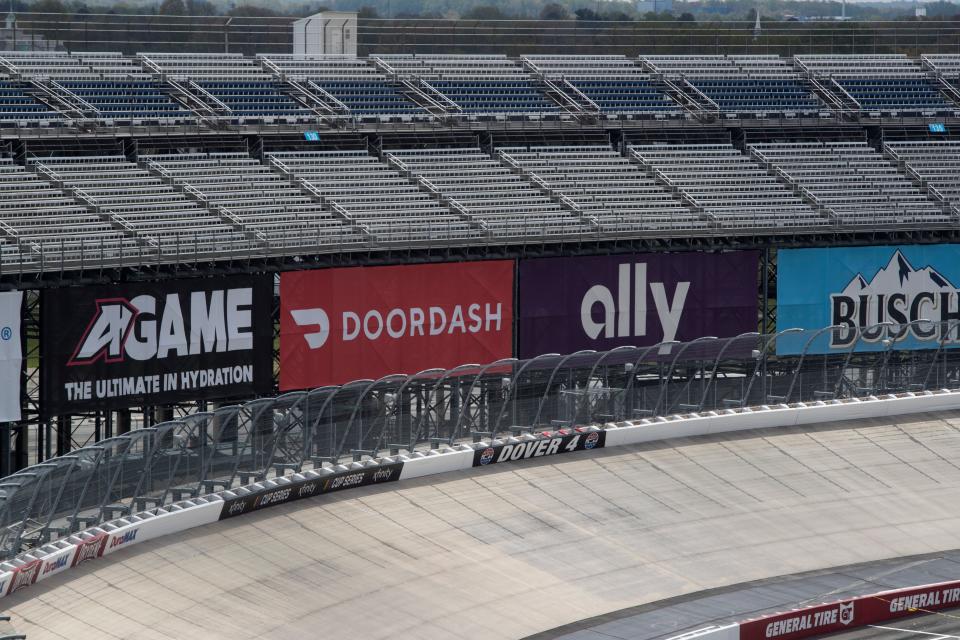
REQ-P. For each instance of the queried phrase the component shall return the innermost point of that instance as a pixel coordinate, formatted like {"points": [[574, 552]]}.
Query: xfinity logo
{"points": [[149, 327], [617, 313], [400, 323]]}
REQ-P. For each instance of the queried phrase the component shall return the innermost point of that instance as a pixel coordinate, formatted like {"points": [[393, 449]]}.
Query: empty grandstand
{"points": [[736, 86], [876, 85], [229, 281]]}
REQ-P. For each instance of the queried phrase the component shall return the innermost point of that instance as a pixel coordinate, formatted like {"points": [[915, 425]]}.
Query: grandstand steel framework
{"points": [[239, 444]]}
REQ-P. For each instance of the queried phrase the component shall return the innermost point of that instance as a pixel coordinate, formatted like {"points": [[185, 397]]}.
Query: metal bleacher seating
{"points": [[238, 83], [945, 68], [606, 186], [738, 86], [851, 181], [474, 183], [150, 207], [389, 206], [51, 225], [104, 86], [616, 85], [480, 86], [721, 183], [354, 83], [878, 85], [254, 198], [935, 164]]}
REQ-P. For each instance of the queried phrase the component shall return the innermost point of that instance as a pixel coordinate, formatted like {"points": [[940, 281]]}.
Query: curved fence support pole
{"points": [[553, 375], [716, 365], [951, 326], [664, 390], [510, 401]]}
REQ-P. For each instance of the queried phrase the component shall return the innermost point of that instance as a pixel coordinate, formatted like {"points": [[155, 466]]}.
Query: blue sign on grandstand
{"points": [[937, 127], [861, 287], [311, 136]]}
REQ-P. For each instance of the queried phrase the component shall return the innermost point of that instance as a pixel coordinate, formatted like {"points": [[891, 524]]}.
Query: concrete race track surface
{"points": [[519, 548]]}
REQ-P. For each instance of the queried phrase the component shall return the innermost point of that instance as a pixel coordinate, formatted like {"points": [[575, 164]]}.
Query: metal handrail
{"points": [[311, 429]]}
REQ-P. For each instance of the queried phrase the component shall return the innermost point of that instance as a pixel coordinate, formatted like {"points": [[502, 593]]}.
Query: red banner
{"points": [[855, 612], [338, 325]]}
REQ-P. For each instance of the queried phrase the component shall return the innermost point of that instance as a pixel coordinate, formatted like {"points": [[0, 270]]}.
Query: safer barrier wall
{"points": [[97, 542]]}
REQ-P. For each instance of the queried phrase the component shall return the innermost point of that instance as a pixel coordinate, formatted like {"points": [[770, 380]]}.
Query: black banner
{"points": [[540, 447], [298, 490], [150, 343]]}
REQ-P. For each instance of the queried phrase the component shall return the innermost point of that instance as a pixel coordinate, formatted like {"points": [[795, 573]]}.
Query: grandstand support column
{"points": [[6, 460], [21, 450], [123, 421], [64, 433], [162, 414], [768, 292]]}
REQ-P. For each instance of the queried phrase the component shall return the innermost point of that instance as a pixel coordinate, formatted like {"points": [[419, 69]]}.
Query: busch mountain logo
{"points": [[898, 293]]}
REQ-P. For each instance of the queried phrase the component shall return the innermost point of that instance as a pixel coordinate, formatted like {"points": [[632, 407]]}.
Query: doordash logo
{"points": [[313, 318]]}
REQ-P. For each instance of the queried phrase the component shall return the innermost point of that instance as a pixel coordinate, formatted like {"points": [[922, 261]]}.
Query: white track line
{"points": [[939, 636]]}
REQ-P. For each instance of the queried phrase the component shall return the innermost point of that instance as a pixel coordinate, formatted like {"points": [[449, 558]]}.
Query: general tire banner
{"points": [[855, 612], [301, 489], [570, 304], [11, 354], [540, 447], [338, 325], [861, 287], [154, 343]]}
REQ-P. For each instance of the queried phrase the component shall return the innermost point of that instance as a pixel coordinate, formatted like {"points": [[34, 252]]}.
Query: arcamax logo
{"points": [[146, 327], [898, 293], [617, 314]]}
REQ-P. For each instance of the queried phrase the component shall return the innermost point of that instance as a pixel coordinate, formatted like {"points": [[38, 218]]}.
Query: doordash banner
{"points": [[338, 325]]}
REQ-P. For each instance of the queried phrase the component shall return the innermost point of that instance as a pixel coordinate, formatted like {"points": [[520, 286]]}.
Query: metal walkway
{"points": [[517, 549]]}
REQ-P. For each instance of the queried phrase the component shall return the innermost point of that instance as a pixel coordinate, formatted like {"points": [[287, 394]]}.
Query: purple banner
{"points": [[602, 302]]}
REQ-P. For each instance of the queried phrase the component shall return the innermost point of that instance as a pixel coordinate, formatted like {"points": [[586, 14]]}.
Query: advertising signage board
{"points": [[339, 325], [876, 297], [155, 343], [601, 302]]}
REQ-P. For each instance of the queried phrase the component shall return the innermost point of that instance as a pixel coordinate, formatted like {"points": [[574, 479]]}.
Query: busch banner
{"points": [[155, 343], [860, 287], [569, 304], [338, 325], [11, 354]]}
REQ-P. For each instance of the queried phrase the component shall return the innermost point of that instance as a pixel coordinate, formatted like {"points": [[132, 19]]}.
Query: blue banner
{"points": [[862, 287]]}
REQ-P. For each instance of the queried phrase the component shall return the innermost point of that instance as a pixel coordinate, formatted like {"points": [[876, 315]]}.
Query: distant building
{"points": [[920, 12], [329, 32], [653, 6]]}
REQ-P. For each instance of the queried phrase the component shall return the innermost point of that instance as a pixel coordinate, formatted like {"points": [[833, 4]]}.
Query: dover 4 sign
{"points": [[873, 295], [545, 446], [155, 343]]}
